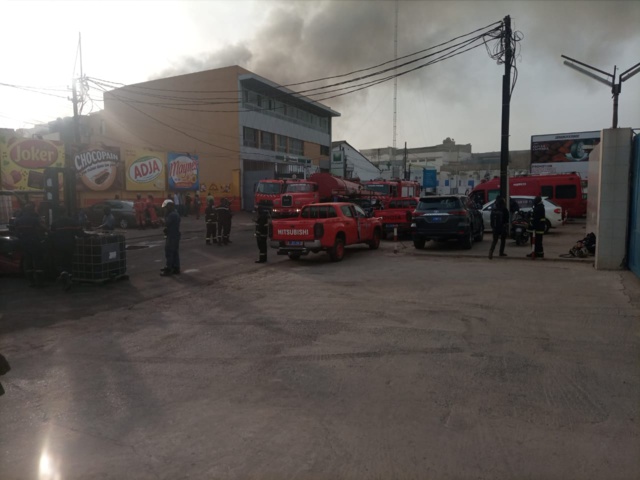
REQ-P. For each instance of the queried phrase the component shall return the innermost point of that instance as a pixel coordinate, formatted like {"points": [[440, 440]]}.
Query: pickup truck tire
{"points": [[336, 253], [375, 243], [294, 256], [419, 243]]}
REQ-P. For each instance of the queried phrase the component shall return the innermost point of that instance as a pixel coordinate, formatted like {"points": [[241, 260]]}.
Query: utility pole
{"points": [[506, 105], [344, 162], [616, 88], [404, 162], [395, 81], [74, 99], [76, 119]]}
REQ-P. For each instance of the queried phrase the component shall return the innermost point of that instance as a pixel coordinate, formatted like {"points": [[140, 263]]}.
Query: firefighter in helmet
{"points": [[223, 212], [211, 221], [538, 222]]}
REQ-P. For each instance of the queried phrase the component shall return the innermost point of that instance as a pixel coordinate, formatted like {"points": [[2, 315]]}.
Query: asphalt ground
{"points": [[394, 363]]}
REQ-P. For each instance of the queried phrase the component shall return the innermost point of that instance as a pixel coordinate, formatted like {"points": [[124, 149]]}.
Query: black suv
{"points": [[444, 217]]}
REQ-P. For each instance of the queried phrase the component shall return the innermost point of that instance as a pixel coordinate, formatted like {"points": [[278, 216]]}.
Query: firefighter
{"points": [[172, 240], [151, 217], [538, 222], [139, 207], [63, 242], [211, 220], [224, 222], [30, 232], [262, 233]]}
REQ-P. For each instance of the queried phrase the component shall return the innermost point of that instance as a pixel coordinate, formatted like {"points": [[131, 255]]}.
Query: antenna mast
{"points": [[395, 82]]}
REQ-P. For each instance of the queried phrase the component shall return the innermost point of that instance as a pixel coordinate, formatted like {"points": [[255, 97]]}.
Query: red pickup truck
{"points": [[325, 227], [399, 215]]}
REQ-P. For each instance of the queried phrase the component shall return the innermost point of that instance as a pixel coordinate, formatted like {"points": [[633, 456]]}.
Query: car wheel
{"points": [[294, 256], [467, 241], [123, 223], [375, 243], [336, 253], [547, 226], [419, 243]]}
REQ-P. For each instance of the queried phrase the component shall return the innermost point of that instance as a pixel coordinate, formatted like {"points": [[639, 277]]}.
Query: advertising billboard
{"points": [[98, 168], [22, 161], [182, 171], [562, 152], [144, 170]]}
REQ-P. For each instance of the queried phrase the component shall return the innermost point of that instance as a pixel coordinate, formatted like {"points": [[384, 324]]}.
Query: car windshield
{"points": [[299, 187], [378, 187], [269, 187], [439, 203]]}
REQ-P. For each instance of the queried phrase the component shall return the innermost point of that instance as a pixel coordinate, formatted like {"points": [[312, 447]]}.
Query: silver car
{"points": [[552, 212]]}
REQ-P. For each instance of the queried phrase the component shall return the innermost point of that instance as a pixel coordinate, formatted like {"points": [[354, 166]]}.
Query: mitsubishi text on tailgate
{"points": [[325, 227]]}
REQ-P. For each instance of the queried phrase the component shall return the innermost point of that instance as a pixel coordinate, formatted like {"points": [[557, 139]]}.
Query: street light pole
{"points": [[609, 80]]}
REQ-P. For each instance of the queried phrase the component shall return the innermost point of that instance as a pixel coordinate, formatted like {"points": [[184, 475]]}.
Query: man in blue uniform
{"points": [[172, 239]]}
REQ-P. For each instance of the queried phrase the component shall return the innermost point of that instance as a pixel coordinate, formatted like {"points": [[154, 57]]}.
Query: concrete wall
{"points": [[608, 200]]}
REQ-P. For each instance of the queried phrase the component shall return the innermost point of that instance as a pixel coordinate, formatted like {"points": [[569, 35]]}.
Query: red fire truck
{"points": [[267, 192], [393, 189], [565, 189], [319, 187]]}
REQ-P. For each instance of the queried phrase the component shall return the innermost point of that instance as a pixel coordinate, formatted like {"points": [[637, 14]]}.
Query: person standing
{"points": [[30, 232], [177, 203], [172, 240], [108, 221], [262, 233], [223, 212], [499, 226], [538, 222], [196, 205], [187, 204], [211, 220], [150, 212], [139, 208]]}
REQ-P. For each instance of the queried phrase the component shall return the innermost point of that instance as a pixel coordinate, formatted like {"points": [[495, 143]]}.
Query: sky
{"points": [[297, 41]]}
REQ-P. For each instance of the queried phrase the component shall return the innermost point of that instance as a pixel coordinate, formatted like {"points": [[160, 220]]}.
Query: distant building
{"points": [[347, 162], [458, 170]]}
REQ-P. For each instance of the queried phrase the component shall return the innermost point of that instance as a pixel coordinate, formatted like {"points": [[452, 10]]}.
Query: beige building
{"points": [[242, 127]]}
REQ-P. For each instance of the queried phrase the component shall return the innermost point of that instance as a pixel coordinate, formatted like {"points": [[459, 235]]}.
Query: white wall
{"points": [[608, 200]]}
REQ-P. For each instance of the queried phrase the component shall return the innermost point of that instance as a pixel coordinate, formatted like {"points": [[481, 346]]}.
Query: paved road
{"points": [[386, 365]]}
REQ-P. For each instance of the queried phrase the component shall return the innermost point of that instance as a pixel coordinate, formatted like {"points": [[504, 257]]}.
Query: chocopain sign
{"points": [[145, 170]]}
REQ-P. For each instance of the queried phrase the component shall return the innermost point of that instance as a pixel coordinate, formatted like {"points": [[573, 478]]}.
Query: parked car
{"points": [[444, 217], [552, 211], [122, 210]]}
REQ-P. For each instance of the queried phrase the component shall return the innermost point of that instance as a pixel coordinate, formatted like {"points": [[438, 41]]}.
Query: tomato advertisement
{"points": [[98, 168], [144, 170], [562, 152], [563, 147], [182, 171], [22, 161]]}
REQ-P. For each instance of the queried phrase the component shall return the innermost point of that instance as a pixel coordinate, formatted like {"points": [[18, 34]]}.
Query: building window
{"points": [[267, 141], [324, 150], [250, 137], [282, 143], [296, 147]]}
